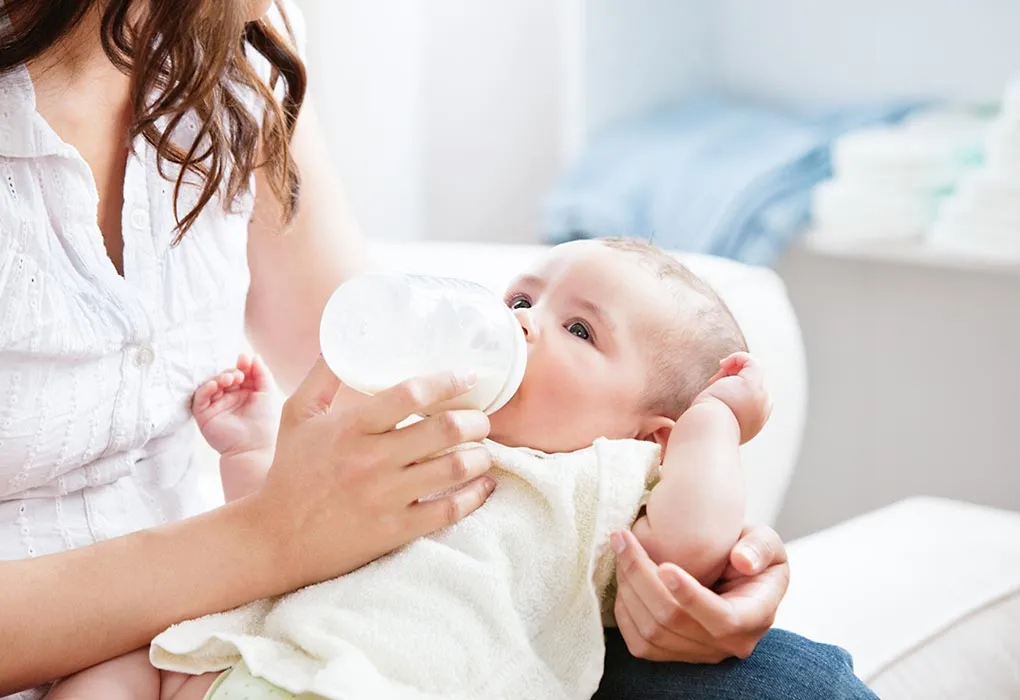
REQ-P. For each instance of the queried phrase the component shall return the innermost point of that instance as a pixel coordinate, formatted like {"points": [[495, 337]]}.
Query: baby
{"points": [[637, 395]]}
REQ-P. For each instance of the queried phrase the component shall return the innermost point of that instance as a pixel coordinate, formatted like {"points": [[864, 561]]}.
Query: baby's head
{"points": [[621, 339]]}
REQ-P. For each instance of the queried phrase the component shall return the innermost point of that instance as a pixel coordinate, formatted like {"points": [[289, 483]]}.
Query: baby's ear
{"points": [[656, 429]]}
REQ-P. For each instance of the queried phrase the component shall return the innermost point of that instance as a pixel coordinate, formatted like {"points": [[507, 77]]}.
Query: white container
{"points": [[380, 329]]}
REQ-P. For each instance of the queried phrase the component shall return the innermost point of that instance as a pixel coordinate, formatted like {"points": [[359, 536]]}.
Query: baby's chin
{"points": [[506, 430], [503, 428]]}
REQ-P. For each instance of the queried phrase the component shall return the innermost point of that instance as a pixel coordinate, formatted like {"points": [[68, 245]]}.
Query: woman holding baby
{"points": [[148, 164]]}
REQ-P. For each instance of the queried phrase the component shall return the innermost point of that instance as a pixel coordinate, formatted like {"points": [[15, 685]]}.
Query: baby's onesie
{"points": [[504, 604]]}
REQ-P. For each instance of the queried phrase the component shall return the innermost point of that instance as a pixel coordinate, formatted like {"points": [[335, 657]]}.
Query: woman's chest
{"points": [[94, 364]]}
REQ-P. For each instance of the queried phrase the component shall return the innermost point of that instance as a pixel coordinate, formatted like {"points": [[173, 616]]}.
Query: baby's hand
{"points": [[235, 410], [740, 385]]}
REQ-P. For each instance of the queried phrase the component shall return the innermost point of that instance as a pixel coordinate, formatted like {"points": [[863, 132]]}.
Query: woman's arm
{"points": [[294, 271], [339, 494], [64, 612]]}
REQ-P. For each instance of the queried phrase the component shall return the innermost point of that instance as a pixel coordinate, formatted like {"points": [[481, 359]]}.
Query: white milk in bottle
{"points": [[379, 329]]}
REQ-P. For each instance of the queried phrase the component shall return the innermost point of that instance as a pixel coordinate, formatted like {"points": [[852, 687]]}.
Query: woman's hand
{"points": [[345, 485], [664, 614]]}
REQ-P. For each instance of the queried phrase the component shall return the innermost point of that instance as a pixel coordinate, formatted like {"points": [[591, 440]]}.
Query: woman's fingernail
{"points": [[468, 379], [671, 580], [489, 484], [750, 554], [619, 544]]}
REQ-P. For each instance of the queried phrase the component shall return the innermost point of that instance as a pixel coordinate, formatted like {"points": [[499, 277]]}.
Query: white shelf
{"points": [[909, 252]]}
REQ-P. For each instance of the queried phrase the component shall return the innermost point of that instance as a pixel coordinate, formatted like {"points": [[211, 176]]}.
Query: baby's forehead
{"points": [[616, 280], [585, 263]]}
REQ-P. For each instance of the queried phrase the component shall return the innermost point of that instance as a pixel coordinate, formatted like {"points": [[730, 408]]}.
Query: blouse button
{"points": [[145, 356], [140, 219]]}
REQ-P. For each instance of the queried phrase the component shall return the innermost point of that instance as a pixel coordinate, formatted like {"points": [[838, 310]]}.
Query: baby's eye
{"points": [[520, 303], [580, 330]]}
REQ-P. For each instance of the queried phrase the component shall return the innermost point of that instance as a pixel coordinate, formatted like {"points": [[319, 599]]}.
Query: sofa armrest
{"points": [[884, 584]]}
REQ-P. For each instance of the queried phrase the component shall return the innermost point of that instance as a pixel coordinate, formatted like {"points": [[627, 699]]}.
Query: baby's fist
{"points": [[740, 384]]}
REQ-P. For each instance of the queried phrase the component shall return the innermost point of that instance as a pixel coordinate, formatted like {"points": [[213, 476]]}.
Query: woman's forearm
{"points": [[64, 612], [243, 474]]}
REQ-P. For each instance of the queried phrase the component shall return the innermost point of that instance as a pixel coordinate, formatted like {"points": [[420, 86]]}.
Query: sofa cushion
{"points": [[906, 588], [976, 657]]}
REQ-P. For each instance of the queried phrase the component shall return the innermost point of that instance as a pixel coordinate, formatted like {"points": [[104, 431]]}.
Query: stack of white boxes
{"points": [[983, 215]]}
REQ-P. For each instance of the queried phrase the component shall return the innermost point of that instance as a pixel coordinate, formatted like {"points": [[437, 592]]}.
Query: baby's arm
{"points": [[238, 418], [131, 677], [695, 513]]}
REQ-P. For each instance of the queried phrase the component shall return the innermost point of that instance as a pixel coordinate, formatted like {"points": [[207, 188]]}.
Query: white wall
{"points": [[638, 54], [365, 76], [491, 115], [913, 382], [443, 116], [834, 51]]}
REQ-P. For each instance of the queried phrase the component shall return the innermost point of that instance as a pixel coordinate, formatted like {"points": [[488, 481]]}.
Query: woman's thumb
{"points": [[315, 394]]}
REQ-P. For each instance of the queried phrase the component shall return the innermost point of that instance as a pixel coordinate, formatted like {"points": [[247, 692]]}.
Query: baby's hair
{"points": [[685, 354]]}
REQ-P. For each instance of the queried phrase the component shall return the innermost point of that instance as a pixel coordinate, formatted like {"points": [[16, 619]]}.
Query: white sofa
{"points": [[925, 594]]}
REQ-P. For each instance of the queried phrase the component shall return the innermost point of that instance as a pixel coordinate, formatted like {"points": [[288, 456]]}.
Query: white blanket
{"points": [[505, 604]]}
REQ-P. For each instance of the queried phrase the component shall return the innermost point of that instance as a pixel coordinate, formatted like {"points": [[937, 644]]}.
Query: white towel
{"points": [[504, 604]]}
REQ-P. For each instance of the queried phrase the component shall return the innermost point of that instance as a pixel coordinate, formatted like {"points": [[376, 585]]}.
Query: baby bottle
{"points": [[379, 329]]}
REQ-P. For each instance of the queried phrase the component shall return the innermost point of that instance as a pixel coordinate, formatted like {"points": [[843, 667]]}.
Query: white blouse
{"points": [[97, 370]]}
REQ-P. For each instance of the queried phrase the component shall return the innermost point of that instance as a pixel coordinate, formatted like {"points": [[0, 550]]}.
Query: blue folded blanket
{"points": [[712, 175]]}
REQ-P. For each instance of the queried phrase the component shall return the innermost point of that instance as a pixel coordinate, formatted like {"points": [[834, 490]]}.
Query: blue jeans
{"points": [[784, 666]]}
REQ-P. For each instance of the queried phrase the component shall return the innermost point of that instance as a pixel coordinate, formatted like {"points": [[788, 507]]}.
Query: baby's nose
{"points": [[527, 324]]}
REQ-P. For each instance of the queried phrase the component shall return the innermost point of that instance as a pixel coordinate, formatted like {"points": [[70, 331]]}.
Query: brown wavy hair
{"points": [[187, 56]]}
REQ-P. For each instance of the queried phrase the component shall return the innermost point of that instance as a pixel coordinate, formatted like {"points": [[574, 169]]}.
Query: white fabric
{"points": [[757, 297], [883, 584], [504, 604], [97, 370], [978, 656]]}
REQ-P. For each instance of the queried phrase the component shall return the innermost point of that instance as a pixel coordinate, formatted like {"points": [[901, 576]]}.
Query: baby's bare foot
{"points": [[740, 385]]}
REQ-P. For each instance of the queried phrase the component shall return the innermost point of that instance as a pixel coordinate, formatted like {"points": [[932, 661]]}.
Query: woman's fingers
{"points": [[447, 471], [443, 511], [641, 575], [683, 650], [701, 604], [686, 624], [384, 411], [758, 548], [315, 394], [648, 624], [672, 595], [434, 434], [637, 645], [348, 476]]}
